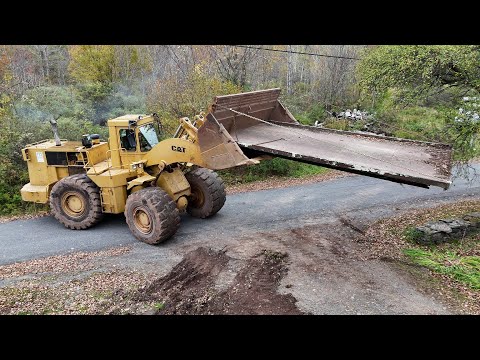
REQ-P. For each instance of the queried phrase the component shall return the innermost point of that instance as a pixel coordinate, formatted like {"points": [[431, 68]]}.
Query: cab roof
{"points": [[125, 119]]}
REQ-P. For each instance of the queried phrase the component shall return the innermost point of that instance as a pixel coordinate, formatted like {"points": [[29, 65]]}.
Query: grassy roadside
{"points": [[276, 167], [455, 265], [462, 268]]}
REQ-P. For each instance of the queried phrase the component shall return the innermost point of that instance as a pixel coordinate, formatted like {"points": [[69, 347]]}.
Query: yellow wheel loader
{"points": [[152, 181]]}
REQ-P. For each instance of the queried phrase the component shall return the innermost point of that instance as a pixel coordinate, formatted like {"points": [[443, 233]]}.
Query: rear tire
{"points": [[208, 193], [75, 202], [152, 215]]}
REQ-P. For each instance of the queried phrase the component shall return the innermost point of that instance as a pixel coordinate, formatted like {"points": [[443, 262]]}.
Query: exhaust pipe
{"points": [[53, 124]]}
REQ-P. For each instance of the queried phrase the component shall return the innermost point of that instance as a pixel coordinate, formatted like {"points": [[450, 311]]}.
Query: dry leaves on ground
{"points": [[281, 182]]}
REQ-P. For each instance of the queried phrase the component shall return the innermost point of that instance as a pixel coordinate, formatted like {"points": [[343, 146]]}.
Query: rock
{"points": [[426, 230], [439, 238], [456, 223], [439, 227], [445, 230], [426, 235], [475, 215], [473, 218], [459, 227]]}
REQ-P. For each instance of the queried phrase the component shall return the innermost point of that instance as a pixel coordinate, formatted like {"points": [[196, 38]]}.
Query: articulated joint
{"points": [[189, 128]]}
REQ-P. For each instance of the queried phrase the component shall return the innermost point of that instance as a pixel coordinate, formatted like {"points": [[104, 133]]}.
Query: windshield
{"points": [[148, 137]]}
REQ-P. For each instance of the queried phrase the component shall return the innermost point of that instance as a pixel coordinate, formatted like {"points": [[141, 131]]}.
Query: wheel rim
{"points": [[142, 220], [197, 198], [73, 204]]}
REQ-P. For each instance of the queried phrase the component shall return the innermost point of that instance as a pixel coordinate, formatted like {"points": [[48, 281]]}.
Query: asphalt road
{"points": [[243, 214]]}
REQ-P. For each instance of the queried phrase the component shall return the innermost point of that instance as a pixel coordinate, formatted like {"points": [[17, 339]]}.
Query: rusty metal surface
{"points": [[261, 104], [411, 162], [219, 150], [259, 122]]}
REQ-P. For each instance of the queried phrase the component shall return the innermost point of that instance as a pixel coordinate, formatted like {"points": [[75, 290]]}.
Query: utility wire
{"points": [[295, 52]]}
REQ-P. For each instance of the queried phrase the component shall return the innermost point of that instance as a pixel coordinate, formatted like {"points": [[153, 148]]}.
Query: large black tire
{"points": [[208, 193], [75, 202], [152, 215]]}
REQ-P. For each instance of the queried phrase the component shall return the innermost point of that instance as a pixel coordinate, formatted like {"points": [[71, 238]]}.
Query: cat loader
{"points": [[152, 179]]}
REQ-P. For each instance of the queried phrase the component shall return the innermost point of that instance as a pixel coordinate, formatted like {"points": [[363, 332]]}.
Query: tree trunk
{"points": [[289, 70]]}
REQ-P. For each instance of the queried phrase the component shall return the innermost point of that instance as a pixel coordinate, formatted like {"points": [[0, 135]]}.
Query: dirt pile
{"points": [[192, 287]]}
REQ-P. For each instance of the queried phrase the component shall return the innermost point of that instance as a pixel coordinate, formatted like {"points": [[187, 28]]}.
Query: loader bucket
{"points": [[263, 104], [216, 137], [261, 125], [218, 149]]}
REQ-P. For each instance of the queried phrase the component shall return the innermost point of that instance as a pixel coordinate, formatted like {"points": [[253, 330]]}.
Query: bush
{"points": [[307, 114], [46, 102], [267, 168], [172, 99], [120, 102], [15, 133]]}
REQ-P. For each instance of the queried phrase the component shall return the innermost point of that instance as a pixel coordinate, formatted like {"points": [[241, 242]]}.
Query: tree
{"points": [[419, 71], [232, 63], [416, 73], [172, 99], [92, 63], [51, 62]]}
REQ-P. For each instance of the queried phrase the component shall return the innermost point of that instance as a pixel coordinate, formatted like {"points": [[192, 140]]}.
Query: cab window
{"points": [[148, 137], [127, 139]]}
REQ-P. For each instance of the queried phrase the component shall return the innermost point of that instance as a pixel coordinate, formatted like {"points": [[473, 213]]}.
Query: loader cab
{"points": [[128, 139], [131, 136], [141, 139]]}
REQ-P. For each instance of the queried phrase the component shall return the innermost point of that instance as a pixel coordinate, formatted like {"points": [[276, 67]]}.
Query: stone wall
{"points": [[447, 230]]}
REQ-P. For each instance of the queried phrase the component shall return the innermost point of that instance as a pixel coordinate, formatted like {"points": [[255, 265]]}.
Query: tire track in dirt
{"points": [[190, 288]]}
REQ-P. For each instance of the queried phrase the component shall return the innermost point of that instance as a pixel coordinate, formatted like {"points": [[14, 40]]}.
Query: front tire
{"points": [[75, 202], [208, 193], [152, 215]]}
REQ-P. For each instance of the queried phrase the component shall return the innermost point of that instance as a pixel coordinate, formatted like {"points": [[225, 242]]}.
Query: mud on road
{"points": [[205, 282]]}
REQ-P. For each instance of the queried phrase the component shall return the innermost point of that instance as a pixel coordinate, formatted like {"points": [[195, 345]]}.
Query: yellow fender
{"points": [[175, 150]]}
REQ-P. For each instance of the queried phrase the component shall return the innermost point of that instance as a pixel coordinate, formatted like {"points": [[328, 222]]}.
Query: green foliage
{"points": [[92, 63], [416, 92], [462, 129], [311, 114], [15, 133], [12, 172], [172, 99], [418, 70], [120, 102], [92, 92], [337, 124], [267, 168], [90, 101], [419, 123], [465, 269], [158, 306], [411, 234], [71, 129], [45, 102]]}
